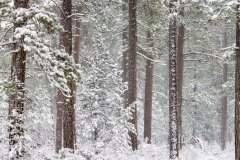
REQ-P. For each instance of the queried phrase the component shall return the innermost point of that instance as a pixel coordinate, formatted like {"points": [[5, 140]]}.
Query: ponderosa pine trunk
{"points": [[148, 102], [125, 57], [224, 103], [180, 66], [148, 87], [173, 88], [61, 100], [132, 74], [16, 99], [59, 120], [77, 51], [69, 111], [77, 41], [237, 87], [195, 134]]}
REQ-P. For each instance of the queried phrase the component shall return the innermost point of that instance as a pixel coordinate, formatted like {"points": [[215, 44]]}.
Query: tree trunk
{"points": [[77, 50], [148, 102], [237, 87], [180, 64], [194, 134], [65, 125], [59, 120], [148, 87], [125, 58], [132, 75], [16, 100], [173, 88], [69, 111], [224, 103], [78, 36]]}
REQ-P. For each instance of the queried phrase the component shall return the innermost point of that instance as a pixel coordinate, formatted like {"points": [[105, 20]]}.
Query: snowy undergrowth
{"points": [[209, 152], [144, 152]]}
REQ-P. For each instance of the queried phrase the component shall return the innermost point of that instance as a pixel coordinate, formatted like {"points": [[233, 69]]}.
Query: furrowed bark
{"points": [[173, 90], [132, 75], [77, 42], [149, 87], [148, 102], [77, 52], [180, 64], [196, 111], [69, 111], [16, 99], [237, 87], [59, 121]]}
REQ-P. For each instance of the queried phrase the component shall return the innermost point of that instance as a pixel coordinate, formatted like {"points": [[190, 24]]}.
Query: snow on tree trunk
{"points": [[237, 88], [132, 75], [16, 100], [173, 90], [125, 53]]}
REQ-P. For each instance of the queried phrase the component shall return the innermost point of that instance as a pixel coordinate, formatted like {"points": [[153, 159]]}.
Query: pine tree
{"points": [[16, 102], [32, 36], [77, 41], [180, 67], [132, 74], [69, 111], [237, 87], [173, 88], [149, 83], [224, 102], [100, 104]]}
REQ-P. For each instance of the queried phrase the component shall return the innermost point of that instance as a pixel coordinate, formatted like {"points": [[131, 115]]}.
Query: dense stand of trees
{"points": [[103, 101]]}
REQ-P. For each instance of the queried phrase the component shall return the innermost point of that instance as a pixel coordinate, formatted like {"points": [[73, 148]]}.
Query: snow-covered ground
{"points": [[145, 152]]}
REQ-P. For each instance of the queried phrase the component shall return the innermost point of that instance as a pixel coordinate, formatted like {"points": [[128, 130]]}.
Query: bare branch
{"points": [[7, 43], [6, 32], [205, 54]]}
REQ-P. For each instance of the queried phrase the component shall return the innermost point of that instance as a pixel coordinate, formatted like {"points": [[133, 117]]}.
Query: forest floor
{"points": [[145, 152], [188, 152]]}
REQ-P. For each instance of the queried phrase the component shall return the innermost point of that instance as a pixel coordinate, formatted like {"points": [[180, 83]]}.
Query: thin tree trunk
{"points": [[69, 111], [59, 121], [77, 51], [125, 57], [148, 102], [224, 103], [132, 75], [148, 87], [195, 106], [180, 64], [16, 101], [77, 41], [237, 87], [173, 90]]}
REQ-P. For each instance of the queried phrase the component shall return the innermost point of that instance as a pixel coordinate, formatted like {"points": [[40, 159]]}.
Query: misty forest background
{"points": [[93, 79]]}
